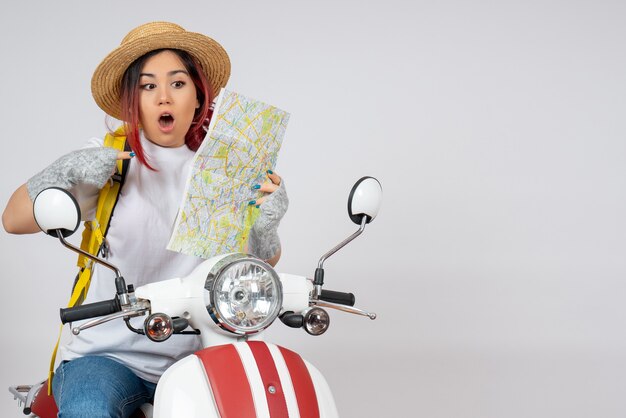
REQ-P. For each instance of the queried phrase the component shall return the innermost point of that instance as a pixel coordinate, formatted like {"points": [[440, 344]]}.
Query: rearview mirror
{"points": [[365, 199], [56, 211]]}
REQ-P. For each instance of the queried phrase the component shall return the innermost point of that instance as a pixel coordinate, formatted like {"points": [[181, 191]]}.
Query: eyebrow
{"points": [[170, 74]]}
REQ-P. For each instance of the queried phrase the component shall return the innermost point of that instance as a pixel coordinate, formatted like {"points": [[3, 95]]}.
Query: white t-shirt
{"points": [[138, 234]]}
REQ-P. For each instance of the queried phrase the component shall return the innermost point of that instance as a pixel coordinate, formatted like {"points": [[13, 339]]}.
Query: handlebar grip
{"points": [[90, 310], [338, 297]]}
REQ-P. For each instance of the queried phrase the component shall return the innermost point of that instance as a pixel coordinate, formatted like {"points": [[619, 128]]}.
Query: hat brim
{"points": [[107, 78]]}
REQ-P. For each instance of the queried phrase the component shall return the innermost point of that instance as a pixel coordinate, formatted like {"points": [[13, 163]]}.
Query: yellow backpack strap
{"points": [[95, 231], [93, 240]]}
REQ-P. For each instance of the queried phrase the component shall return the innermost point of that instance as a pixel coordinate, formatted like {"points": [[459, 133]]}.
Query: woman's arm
{"points": [[274, 260], [17, 217], [263, 239], [93, 166]]}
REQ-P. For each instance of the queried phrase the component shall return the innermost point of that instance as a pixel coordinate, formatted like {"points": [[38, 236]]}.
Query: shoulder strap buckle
{"points": [[104, 248]]}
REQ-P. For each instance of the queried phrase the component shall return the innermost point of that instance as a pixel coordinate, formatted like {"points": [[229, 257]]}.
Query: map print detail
{"points": [[242, 143]]}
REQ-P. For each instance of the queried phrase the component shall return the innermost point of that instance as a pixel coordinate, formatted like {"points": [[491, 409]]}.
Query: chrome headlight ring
{"points": [[243, 295]]}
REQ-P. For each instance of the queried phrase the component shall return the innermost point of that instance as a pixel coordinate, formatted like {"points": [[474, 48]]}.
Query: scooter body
{"points": [[229, 301], [234, 375]]}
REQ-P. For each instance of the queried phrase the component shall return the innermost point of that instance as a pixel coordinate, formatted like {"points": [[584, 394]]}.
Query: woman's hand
{"points": [[269, 186], [84, 166], [264, 241]]}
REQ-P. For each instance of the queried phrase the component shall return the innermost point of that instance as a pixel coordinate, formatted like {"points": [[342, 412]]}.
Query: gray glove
{"points": [[88, 166], [264, 241]]}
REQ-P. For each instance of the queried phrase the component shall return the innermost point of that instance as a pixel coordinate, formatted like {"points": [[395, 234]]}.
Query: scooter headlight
{"points": [[243, 295]]}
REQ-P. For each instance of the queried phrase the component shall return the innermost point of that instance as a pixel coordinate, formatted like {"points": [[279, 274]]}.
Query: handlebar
{"points": [[341, 298], [90, 310]]}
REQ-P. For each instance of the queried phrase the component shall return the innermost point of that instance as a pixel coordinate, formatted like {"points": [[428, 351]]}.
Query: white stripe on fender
{"points": [[254, 378], [285, 381]]}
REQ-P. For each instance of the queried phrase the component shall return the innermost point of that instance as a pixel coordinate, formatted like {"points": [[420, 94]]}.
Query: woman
{"points": [[160, 82]]}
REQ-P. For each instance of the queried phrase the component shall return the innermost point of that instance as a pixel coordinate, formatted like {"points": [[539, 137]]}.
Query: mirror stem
{"points": [[319, 272], [345, 242], [89, 256]]}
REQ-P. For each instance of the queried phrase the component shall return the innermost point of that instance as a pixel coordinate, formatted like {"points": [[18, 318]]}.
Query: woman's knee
{"points": [[96, 386]]}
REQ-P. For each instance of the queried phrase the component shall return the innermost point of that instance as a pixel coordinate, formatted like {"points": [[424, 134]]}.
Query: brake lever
{"points": [[344, 308], [138, 308]]}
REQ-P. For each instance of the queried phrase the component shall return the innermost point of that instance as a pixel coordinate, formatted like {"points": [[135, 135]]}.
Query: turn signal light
{"points": [[158, 327]]}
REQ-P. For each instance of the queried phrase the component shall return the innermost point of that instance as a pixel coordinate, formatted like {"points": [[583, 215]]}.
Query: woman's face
{"points": [[167, 99]]}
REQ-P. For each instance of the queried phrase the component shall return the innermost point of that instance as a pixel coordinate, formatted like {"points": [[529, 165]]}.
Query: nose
{"points": [[164, 96]]}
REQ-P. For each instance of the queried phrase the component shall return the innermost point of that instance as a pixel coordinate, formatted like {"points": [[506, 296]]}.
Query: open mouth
{"points": [[166, 120]]}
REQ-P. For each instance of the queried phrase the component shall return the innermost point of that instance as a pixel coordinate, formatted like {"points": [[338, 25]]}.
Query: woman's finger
{"points": [[125, 155], [275, 178], [268, 187]]}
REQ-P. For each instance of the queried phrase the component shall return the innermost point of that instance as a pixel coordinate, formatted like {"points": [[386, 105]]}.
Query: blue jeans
{"points": [[98, 387]]}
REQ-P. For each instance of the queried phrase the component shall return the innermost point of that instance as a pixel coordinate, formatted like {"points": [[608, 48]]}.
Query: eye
{"points": [[148, 86], [178, 84]]}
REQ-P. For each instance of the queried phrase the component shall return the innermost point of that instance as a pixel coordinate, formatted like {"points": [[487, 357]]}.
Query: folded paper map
{"points": [[242, 143]]}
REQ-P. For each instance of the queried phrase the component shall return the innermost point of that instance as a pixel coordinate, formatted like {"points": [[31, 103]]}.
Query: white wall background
{"points": [[497, 264]]}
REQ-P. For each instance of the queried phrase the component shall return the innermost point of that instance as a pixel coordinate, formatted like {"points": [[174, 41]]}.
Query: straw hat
{"points": [[107, 79]]}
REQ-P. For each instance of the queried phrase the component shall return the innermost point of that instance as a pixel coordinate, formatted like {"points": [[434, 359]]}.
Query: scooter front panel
{"points": [[255, 379], [183, 391], [325, 399], [228, 380], [302, 384], [262, 373]]}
